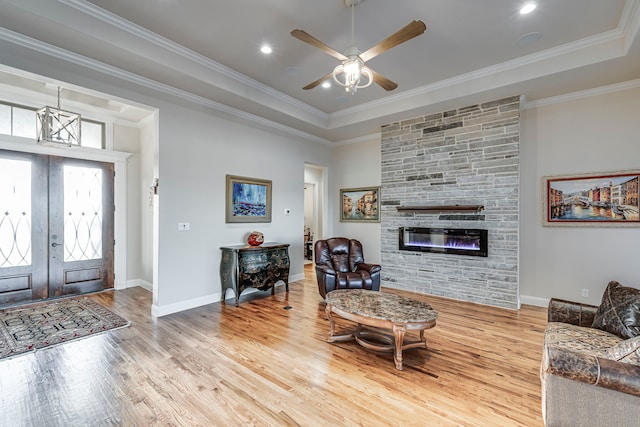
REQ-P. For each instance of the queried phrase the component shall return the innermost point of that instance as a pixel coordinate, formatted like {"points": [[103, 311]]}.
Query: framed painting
{"points": [[601, 199], [360, 204], [248, 199]]}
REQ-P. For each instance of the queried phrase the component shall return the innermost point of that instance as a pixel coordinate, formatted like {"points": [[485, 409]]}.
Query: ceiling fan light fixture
{"points": [[350, 74]]}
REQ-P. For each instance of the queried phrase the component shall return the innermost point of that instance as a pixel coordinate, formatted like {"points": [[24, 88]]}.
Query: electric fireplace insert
{"points": [[459, 241]]}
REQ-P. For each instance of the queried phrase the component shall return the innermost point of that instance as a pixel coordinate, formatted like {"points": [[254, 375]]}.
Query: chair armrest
{"points": [[371, 268], [607, 373], [326, 269], [571, 312]]}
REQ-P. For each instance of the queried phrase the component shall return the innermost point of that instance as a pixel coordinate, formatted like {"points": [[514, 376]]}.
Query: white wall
{"points": [[127, 139], [197, 147], [356, 165], [594, 134], [316, 176], [197, 150], [148, 161]]}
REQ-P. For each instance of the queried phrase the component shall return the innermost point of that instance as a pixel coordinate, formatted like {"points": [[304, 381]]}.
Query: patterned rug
{"points": [[28, 328]]}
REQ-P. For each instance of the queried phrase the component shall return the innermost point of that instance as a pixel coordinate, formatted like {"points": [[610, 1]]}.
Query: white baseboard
{"points": [[537, 301], [159, 311], [132, 284]]}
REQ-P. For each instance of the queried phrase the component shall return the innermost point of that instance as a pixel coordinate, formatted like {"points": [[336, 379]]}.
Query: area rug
{"points": [[28, 328]]}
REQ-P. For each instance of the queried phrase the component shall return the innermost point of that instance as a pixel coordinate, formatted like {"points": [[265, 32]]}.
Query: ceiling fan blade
{"points": [[382, 81], [408, 32], [317, 82], [305, 37]]}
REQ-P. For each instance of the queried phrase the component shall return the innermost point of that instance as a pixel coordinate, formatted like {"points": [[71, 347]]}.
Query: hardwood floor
{"points": [[261, 364]]}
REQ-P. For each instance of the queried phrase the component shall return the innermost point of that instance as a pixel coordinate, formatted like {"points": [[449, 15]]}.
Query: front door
{"points": [[56, 226]]}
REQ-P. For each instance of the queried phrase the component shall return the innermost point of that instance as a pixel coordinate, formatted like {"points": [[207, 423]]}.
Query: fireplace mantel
{"points": [[441, 208]]}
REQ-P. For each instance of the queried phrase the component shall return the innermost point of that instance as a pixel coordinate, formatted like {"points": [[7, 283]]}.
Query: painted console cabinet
{"points": [[259, 267]]}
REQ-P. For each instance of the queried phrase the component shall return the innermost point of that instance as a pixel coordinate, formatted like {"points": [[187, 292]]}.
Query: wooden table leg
{"points": [[332, 325], [398, 335]]}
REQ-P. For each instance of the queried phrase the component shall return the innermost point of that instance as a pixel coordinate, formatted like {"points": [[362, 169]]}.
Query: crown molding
{"points": [[188, 54], [630, 22], [602, 90], [358, 139], [512, 65], [626, 30], [59, 53]]}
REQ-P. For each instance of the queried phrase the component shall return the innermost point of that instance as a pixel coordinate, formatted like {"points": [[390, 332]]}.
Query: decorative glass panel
{"points": [[5, 119], [83, 213], [24, 122], [92, 134], [15, 213]]}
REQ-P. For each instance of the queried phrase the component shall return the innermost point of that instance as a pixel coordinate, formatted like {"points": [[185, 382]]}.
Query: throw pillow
{"points": [[627, 351], [619, 312]]}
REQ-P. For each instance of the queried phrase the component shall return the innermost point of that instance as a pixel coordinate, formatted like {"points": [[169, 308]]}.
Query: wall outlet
{"points": [[184, 226], [585, 293]]}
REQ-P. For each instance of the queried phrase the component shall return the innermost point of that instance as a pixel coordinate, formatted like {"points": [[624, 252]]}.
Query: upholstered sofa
{"points": [[590, 369]]}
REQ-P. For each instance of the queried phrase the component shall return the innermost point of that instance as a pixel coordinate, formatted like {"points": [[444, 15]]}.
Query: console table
{"points": [[259, 267]]}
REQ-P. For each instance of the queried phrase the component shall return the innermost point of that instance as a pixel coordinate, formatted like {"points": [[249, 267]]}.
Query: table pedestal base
{"points": [[380, 340]]}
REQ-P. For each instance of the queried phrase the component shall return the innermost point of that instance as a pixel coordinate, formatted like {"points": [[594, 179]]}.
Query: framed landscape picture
{"points": [[360, 204], [609, 199], [248, 199]]}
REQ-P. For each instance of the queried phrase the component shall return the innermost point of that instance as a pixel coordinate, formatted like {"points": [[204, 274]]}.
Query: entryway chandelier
{"points": [[58, 126]]}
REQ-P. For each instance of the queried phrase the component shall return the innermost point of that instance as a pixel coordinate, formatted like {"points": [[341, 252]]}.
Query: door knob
{"points": [[53, 245]]}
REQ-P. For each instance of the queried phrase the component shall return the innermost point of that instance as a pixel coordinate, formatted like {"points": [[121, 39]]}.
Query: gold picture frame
{"points": [[247, 200], [598, 199], [360, 204]]}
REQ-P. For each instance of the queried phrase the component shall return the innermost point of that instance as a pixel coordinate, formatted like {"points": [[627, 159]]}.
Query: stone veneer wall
{"points": [[467, 156]]}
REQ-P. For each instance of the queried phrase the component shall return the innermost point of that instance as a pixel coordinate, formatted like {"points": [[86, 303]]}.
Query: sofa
{"points": [[590, 370]]}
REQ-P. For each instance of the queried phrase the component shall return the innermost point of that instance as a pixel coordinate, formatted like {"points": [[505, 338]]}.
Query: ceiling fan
{"points": [[352, 73]]}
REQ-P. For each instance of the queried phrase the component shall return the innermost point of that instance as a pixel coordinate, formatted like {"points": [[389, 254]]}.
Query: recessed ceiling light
{"points": [[527, 8], [266, 49], [326, 84]]}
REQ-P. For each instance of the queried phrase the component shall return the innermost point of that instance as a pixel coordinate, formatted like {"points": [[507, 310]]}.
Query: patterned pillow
{"points": [[627, 351], [619, 312]]}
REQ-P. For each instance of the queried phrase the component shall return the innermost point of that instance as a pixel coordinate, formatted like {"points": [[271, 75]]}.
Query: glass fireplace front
{"points": [[459, 241]]}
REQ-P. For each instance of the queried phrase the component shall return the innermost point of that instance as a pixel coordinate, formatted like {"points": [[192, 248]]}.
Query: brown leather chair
{"points": [[340, 265]]}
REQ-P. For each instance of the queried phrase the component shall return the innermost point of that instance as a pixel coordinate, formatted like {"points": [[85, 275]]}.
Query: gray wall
{"points": [[467, 156]]}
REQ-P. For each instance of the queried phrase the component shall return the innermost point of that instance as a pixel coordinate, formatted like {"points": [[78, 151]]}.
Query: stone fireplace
{"points": [[432, 167]]}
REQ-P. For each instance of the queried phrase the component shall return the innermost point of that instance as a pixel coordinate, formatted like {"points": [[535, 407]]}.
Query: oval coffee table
{"points": [[381, 312]]}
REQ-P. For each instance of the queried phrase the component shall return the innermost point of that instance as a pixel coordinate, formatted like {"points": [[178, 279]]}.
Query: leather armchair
{"points": [[340, 265]]}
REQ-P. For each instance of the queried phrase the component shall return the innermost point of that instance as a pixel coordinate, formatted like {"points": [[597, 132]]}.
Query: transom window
{"points": [[18, 120]]}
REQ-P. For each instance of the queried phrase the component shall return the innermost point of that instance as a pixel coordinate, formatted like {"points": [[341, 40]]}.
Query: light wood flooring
{"points": [[260, 364]]}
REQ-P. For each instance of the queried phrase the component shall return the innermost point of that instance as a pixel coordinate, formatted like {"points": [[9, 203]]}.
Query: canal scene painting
{"points": [[600, 199], [360, 204], [248, 199]]}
